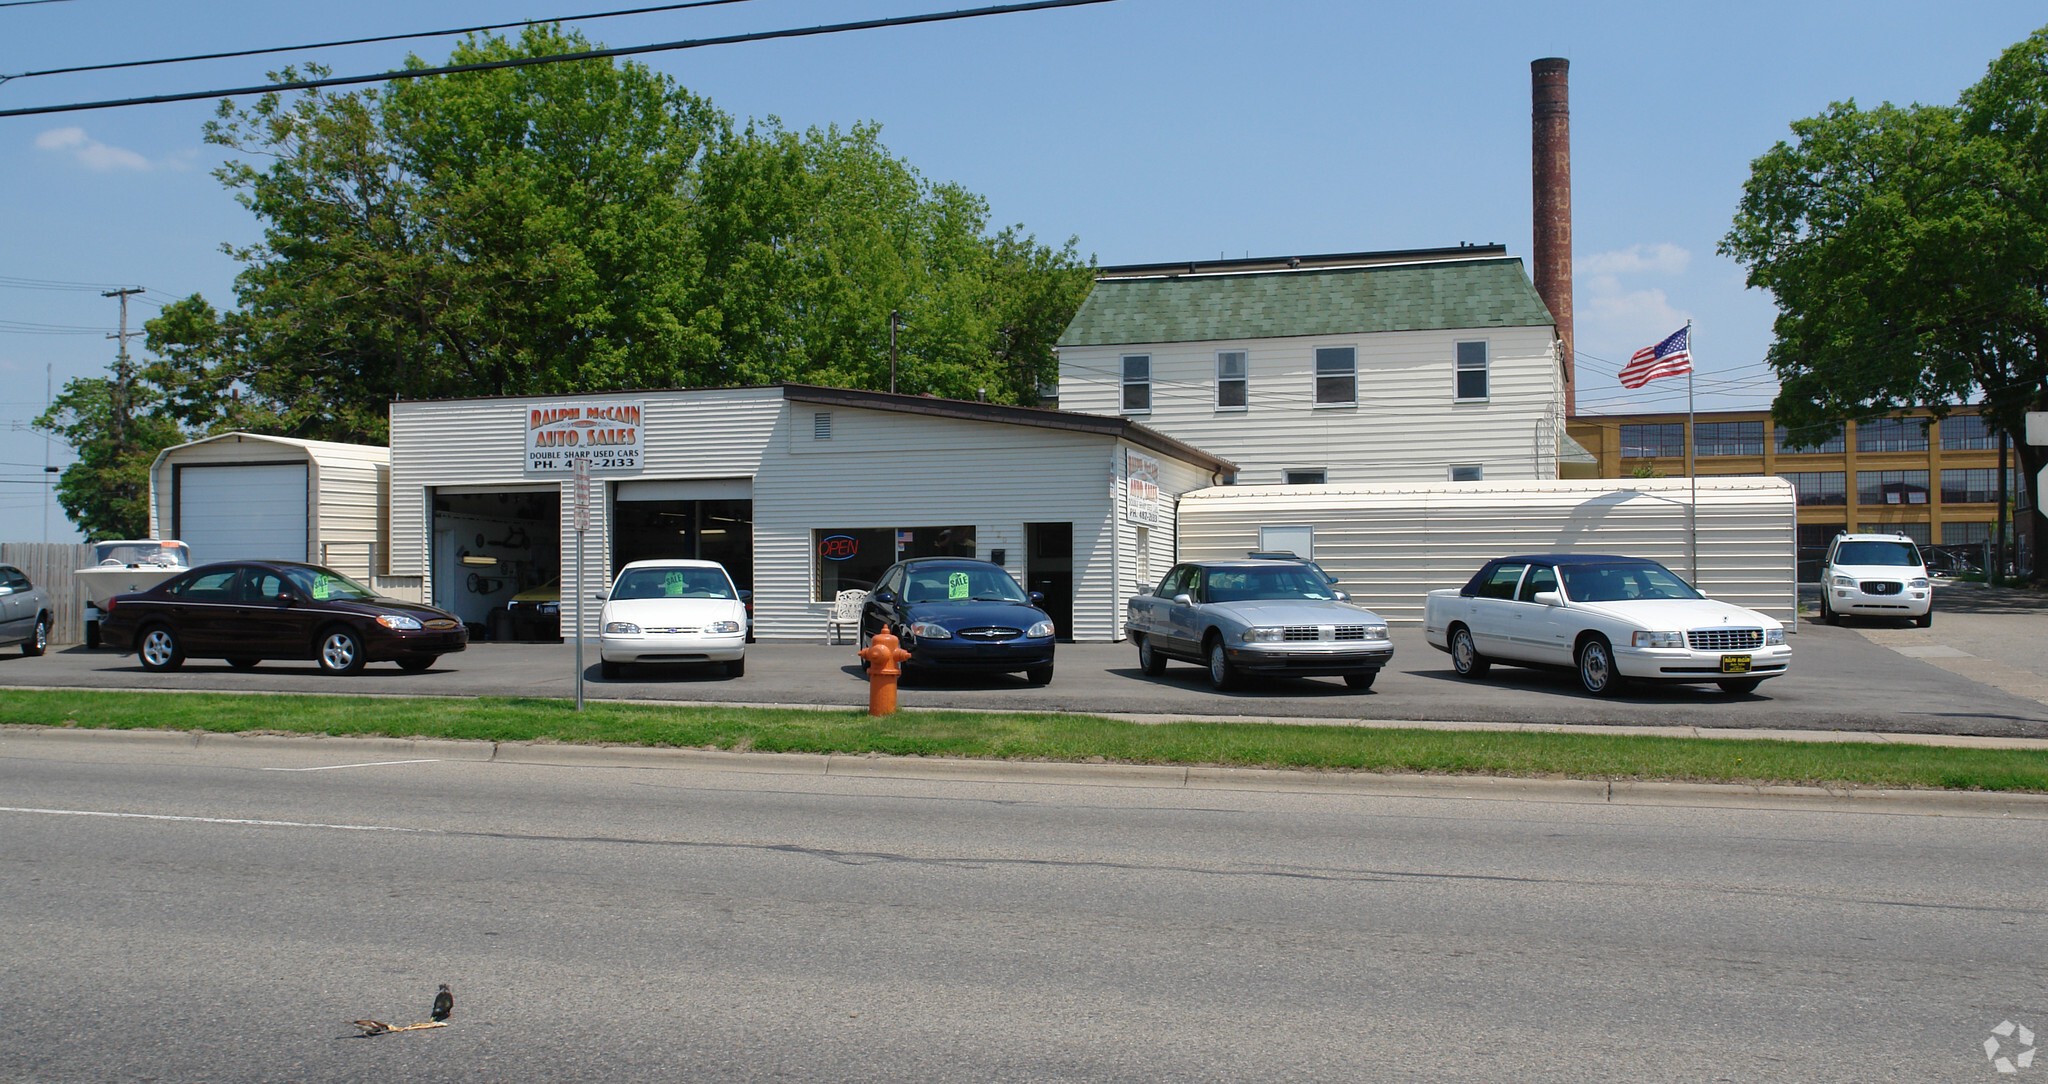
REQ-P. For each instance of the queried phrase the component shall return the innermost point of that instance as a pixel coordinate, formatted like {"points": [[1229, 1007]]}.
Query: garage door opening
{"points": [[702, 530], [498, 561]]}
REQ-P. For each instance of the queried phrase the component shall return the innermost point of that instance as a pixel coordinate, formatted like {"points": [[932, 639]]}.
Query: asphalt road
{"points": [[1840, 680], [223, 912]]}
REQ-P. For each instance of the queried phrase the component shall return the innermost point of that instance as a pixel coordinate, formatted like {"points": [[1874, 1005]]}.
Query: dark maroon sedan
{"points": [[248, 611]]}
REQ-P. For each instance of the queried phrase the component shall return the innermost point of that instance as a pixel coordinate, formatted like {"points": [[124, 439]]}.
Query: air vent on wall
{"points": [[821, 425]]}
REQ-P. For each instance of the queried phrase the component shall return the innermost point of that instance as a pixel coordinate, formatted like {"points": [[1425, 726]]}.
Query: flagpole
{"points": [[1691, 466]]}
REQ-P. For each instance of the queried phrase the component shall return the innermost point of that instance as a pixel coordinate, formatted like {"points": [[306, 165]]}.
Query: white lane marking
{"points": [[365, 764], [212, 820]]}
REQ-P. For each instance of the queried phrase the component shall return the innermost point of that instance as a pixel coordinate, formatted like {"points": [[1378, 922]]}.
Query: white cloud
{"points": [[91, 153], [1662, 258]]}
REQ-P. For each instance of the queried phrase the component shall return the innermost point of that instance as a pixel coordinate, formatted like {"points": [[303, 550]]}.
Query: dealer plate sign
{"points": [[608, 435]]}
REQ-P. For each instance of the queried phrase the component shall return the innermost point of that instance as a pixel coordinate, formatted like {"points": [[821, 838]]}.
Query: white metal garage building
{"points": [[246, 495], [799, 490]]}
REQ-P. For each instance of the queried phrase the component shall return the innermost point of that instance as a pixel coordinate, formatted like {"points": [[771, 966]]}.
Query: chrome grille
{"points": [[990, 632], [1725, 639], [1881, 587], [679, 631], [1316, 632]]}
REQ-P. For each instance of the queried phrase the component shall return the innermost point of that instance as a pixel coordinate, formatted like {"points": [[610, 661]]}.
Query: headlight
{"points": [[397, 621], [1920, 582], [621, 628], [930, 630], [1040, 630], [1261, 634], [1375, 632], [1774, 637], [722, 626], [1842, 581], [1659, 639]]}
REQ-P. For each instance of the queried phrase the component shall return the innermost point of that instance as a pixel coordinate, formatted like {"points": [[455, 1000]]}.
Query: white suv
{"points": [[1875, 575]]}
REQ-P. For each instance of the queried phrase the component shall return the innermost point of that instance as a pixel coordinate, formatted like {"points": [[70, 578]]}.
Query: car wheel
{"points": [[159, 649], [1361, 681], [1039, 675], [1222, 675], [1150, 661], [1828, 616], [38, 638], [1597, 674], [1465, 656], [1739, 686], [1925, 620], [341, 651], [609, 669], [736, 668], [243, 663], [414, 664]]}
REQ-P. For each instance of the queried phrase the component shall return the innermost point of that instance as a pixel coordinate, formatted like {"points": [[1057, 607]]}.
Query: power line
{"points": [[559, 58], [367, 41], [29, 3]]}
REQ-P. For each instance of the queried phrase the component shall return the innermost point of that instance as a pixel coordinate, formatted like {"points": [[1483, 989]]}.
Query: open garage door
{"points": [[241, 511]]}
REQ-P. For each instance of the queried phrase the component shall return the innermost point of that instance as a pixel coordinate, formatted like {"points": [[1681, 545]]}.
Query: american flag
{"points": [[1667, 358]]}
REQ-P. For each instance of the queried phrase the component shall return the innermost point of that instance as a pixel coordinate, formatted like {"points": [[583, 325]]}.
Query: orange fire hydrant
{"points": [[883, 654]]}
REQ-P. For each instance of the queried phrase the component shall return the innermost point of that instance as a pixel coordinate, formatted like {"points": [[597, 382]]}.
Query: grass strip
{"points": [[1015, 736]]}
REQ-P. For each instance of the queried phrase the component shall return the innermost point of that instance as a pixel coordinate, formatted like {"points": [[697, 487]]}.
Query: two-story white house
{"points": [[1358, 369]]}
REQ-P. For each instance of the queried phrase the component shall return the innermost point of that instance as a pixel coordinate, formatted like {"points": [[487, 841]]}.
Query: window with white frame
{"points": [[1308, 477], [1336, 376], [1468, 472], [1137, 383], [1472, 370], [1231, 378]]}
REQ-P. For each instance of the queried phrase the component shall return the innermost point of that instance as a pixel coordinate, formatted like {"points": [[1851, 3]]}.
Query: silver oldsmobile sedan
{"points": [[1257, 617]]}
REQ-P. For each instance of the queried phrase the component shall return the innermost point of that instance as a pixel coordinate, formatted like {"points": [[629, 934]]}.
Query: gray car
{"points": [[24, 612], [1277, 618]]}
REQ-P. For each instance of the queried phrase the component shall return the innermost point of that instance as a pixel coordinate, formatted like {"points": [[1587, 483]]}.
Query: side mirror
{"points": [[1183, 599], [884, 597], [1342, 596], [6, 590], [601, 596], [1549, 598], [1037, 597]]}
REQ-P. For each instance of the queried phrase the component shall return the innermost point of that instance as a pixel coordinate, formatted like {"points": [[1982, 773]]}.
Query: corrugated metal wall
{"points": [[1390, 546], [1405, 428], [49, 566]]}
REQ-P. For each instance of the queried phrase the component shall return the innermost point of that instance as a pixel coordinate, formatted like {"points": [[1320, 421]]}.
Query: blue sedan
{"points": [[956, 615]]}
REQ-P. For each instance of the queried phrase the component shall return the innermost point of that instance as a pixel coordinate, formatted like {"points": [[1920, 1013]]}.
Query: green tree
{"points": [[591, 226], [117, 433], [1907, 248]]}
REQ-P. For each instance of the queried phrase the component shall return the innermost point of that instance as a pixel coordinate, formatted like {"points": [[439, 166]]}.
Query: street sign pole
{"points": [[581, 496]]}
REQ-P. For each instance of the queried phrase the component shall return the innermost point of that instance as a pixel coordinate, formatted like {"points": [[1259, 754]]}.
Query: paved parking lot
{"points": [[1979, 670]]}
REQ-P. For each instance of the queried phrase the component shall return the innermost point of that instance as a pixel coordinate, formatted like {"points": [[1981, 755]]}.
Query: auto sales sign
{"points": [[609, 434]]}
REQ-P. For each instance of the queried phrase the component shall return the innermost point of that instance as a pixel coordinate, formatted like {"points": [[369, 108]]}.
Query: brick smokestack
{"points": [[1551, 172]]}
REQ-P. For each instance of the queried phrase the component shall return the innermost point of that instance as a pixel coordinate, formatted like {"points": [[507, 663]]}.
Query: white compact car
{"points": [[1612, 619], [1875, 575], [673, 611]]}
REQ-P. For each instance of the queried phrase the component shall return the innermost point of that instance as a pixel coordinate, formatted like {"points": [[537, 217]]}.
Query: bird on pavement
{"points": [[444, 1003]]}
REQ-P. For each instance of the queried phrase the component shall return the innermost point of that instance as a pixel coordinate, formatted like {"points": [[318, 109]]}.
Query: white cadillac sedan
{"points": [[673, 611], [1612, 619]]}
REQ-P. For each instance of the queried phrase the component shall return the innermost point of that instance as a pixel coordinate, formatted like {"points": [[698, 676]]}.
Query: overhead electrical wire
{"points": [[367, 41], [560, 58]]}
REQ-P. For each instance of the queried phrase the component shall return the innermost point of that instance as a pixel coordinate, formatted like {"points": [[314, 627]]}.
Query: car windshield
{"points": [[960, 583], [1900, 554], [163, 554], [1277, 582], [1623, 583], [322, 585], [673, 583]]}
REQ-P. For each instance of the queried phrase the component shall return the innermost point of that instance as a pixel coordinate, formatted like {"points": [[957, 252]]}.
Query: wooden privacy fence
{"points": [[50, 566]]}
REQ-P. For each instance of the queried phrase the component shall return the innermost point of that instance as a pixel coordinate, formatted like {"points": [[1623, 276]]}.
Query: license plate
{"points": [[1735, 664]]}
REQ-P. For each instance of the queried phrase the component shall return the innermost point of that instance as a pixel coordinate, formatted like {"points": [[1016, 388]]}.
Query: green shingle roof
{"points": [[1341, 301]]}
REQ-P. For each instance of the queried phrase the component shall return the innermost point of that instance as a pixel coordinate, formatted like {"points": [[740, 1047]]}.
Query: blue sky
{"points": [[1151, 130]]}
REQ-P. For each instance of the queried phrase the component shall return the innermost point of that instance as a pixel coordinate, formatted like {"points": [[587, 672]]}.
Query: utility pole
{"points": [[892, 351], [122, 373]]}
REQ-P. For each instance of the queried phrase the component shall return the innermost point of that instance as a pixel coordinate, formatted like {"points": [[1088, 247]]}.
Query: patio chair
{"points": [[846, 607]]}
